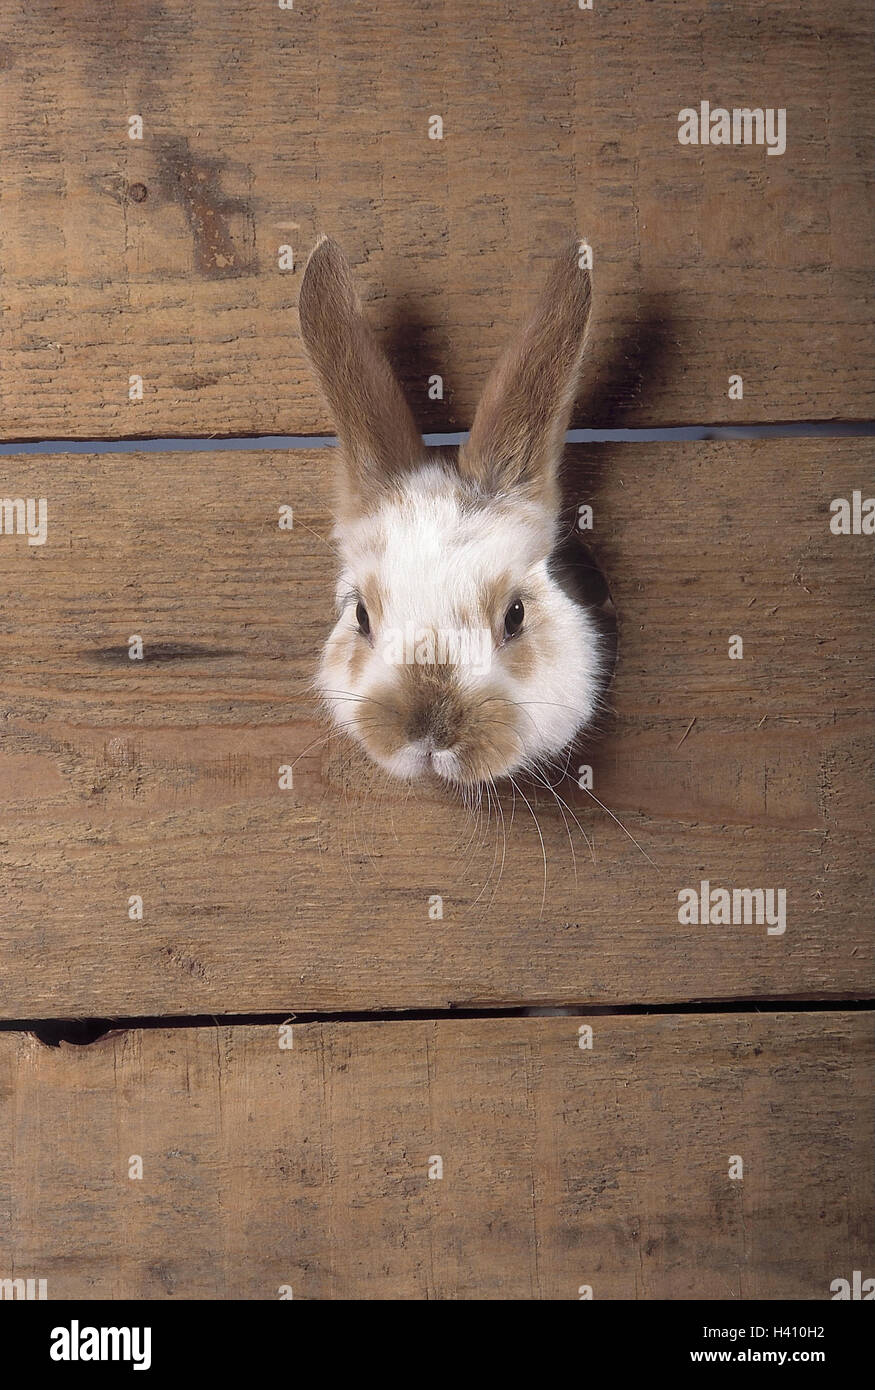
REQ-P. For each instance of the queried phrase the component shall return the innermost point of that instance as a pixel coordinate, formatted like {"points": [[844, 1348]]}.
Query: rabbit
{"points": [[457, 652]]}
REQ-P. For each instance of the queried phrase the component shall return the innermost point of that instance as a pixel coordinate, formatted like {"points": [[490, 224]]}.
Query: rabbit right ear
{"points": [[378, 435], [516, 439]]}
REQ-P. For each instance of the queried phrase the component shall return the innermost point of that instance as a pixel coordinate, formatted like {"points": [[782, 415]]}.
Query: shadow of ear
{"points": [[619, 372], [418, 354], [624, 370]]}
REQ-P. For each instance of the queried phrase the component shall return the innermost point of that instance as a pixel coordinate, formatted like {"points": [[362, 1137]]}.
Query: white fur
{"points": [[430, 559]]}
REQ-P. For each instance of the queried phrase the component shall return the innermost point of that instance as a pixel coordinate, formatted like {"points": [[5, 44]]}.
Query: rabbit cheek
{"points": [[357, 660], [495, 747], [377, 724], [519, 658], [341, 674]]}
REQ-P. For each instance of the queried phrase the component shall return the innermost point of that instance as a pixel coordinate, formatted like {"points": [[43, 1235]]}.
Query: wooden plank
{"points": [[563, 1167], [160, 778], [159, 258]]}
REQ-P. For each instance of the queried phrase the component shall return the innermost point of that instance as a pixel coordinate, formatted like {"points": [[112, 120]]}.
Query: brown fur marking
{"points": [[378, 435], [520, 423]]}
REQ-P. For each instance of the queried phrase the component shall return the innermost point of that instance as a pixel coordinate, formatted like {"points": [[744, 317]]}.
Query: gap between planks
{"points": [[83, 1032], [126, 444]]}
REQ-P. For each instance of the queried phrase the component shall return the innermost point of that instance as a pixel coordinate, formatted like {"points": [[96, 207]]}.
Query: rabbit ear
{"points": [[378, 435], [519, 426]]}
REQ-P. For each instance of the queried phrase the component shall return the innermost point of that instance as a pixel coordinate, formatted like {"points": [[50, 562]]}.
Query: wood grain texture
{"points": [[263, 127], [160, 778], [562, 1167]]}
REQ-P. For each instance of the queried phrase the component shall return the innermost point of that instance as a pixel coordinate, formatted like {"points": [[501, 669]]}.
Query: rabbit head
{"points": [[456, 651]]}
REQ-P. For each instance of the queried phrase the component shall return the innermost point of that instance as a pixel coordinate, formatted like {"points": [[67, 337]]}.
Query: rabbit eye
{"points": [[361, 617], [513, 619]]}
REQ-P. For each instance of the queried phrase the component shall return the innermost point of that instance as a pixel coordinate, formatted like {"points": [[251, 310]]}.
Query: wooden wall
{"points": [[261, 127], [562, 1168], [603, 1167], [160, 778]]}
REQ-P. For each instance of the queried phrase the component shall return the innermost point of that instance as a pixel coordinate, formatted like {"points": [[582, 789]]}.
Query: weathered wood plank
{"points": [[160, 778], [159, 258], [563, 1167]]}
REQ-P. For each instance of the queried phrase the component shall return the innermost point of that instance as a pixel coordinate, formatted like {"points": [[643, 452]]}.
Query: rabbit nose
{"points": [[430, 724]]}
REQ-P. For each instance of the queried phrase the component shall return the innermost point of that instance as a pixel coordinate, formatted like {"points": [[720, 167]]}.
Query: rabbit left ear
{"points": [[378, 435], [519, 426]]}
